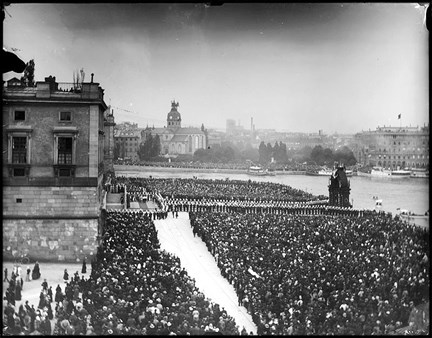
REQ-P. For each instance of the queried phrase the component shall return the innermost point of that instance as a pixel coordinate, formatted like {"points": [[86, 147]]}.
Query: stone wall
{"points": [[50, 223], [60, 201], [68, 240]]}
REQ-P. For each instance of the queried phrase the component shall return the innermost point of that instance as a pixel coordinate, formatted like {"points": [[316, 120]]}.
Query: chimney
{"points": [[52, 83], [92, 74]]}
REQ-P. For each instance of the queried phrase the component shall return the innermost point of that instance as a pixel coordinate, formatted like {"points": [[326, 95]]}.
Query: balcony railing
{"points": [[85, 90]]}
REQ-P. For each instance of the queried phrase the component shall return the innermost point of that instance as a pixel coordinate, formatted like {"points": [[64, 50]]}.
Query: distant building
{"points": [[175, 139], [55, 154], [127, 143], [230, 126], [214, 138], [393, 147]]}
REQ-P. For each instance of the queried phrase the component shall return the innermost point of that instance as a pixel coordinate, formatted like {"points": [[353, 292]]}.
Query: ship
{"points": [[419, 173], [259, 171], [320, 172]]}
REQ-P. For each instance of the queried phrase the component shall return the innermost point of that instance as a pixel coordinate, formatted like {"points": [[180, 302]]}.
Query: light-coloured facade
{"points": [[54, 151], [176, 140], [128, 143], [393, 147]]}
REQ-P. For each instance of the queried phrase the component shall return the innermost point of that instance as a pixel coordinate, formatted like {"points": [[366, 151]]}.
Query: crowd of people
{"points": [[320, 274], [135, 288], [298, 268], [198, 189], [25, 319]]}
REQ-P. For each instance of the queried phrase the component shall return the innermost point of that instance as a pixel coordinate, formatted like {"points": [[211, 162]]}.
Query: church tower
{"points": [[174, 117]]}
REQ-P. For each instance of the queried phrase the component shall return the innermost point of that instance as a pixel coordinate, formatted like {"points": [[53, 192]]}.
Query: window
{"points": [[19, 115], [64, 150], [19, 149], [65, 116]]}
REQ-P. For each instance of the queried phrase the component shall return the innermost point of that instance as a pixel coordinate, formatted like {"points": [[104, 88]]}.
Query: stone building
{"points": [[175, 139], [127, 143], [55, 137], [109, 125], [393, 147]]}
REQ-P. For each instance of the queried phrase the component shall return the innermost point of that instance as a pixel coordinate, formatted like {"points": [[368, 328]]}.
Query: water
{"points": [[405, 193]]}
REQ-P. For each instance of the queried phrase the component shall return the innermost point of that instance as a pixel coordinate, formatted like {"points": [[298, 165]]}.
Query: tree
{"points": [[262, 150], [345, 156], [155, 146], [28, 77]]}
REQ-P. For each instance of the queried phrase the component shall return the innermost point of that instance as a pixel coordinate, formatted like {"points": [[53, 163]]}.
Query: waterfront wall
{"points": [[122, 167]]}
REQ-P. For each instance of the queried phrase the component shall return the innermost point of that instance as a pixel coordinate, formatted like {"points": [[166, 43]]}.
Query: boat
{"points": [[325, 172], [349, 173], [380, 172], [419, 173], [408, 215], [258, 171], [400, 173]]}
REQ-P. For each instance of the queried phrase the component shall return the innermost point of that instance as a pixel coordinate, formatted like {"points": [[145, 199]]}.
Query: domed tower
{"points": [[174, 117]]}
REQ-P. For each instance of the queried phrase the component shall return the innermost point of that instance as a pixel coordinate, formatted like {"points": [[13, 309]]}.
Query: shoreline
{"points": [[123, 167]]}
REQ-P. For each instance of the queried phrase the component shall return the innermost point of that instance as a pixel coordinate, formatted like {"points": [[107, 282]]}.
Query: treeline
{"points": [[324, 156], [150, 148], [277, 153], [230, 152]]}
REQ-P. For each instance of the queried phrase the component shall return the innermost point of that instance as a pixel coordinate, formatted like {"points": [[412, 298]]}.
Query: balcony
{"points": [[55, 90]]}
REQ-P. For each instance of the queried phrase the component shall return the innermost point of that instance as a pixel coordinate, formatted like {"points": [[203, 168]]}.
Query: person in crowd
{"points": [[65, 275], [84, 266], [5, 279], [36, 271], [28, 274]]}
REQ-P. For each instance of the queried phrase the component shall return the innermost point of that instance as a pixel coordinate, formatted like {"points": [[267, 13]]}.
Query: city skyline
{"points": [[294, 67]]}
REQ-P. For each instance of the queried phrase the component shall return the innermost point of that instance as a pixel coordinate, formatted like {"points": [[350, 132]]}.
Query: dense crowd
{"points": [[320, 274], [297, 268], [134, 289], [26, 319], [198, 189]]}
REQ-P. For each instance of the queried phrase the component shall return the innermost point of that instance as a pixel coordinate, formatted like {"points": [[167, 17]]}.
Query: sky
{"points": [[340, 68]]}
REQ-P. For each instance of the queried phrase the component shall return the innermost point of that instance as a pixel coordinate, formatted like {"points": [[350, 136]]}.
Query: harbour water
{"points": [[404, 193]]}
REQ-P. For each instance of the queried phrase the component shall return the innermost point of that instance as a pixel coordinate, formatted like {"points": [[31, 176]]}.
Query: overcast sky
{"points": [[292, 67]]}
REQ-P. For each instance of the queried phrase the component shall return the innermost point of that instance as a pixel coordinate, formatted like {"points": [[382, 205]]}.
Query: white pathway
{"points": [[176, 237]]}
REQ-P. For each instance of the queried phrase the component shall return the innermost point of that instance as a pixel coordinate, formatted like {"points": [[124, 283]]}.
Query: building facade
{"points": [[127, 144], [54, 155], [175, 139], [393, 147]]}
